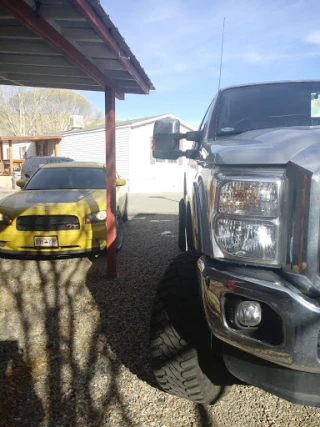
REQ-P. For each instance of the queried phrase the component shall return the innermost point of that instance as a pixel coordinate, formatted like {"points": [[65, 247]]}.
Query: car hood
{"points": [[64, 200], [275, 146]]}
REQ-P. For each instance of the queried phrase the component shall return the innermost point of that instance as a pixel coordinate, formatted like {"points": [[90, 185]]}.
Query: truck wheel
{"points": [[182, 226], [182, 359]]}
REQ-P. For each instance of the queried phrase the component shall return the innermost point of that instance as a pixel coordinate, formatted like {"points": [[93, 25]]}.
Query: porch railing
{"points": [[5, 166]]}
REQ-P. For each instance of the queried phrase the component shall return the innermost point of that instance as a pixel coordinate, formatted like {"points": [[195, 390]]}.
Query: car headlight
{"points": [[100, 216], [246, 217], [5, 219]]}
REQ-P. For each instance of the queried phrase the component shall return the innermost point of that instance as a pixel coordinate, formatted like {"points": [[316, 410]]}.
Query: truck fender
{"points": [[200, 220]]}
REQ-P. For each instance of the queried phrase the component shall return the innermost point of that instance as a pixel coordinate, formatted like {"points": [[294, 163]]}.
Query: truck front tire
{"points": [[182, 359]]}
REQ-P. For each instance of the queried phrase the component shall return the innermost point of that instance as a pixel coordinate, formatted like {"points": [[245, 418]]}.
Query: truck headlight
{"points": [[246, 216], [249, 198], [251, 239]]}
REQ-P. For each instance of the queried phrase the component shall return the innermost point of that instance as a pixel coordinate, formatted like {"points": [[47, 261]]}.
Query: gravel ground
{"points": [[74, 346]]}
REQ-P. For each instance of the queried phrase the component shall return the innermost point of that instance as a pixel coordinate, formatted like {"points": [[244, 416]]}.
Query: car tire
{"points": [[183, 361], [125, 213], [119, 228], [182, 226]]}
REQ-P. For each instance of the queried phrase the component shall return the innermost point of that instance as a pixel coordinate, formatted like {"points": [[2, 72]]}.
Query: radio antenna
{"points": [[222, 43]]}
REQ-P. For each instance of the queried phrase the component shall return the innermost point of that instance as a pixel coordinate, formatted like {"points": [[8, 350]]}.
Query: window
{"points": [[22, 152]]}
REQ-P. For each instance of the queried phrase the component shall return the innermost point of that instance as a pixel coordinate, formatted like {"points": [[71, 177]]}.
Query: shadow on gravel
{"points": [[18, 400], [59, 370], [204, 418], [125, 303]]}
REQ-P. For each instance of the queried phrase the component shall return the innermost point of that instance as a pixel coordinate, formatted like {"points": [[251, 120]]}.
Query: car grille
{"points": [[47, 222]]}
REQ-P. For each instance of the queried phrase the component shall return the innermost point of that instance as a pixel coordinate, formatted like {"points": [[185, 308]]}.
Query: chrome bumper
{"points": [[298, 316]]}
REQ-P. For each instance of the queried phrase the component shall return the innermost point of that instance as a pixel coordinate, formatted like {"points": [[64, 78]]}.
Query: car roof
{"points": [[74, 165]]}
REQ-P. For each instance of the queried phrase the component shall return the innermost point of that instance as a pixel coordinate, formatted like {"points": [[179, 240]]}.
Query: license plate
{"points": [[46, 242]]}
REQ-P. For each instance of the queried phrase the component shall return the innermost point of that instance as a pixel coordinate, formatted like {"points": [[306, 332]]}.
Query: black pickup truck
{"points": [[242, 302]]}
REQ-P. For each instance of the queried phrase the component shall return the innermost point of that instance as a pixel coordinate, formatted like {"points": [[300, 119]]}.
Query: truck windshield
{"points": [[268, 106]]}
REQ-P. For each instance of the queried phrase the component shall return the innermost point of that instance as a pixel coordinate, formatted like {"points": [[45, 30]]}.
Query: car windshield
{"points": [[65, 178], [268, 106]]}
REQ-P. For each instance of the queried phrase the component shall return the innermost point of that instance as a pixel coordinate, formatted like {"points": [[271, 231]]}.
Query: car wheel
{"points": [[183, 362], [182, 226], [119, 227], [125, 213]]}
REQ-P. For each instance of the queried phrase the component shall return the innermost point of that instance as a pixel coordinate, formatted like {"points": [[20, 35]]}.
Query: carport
{"points": [[72, 44]]}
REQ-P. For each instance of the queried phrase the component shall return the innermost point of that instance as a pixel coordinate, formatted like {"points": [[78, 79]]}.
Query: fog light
{"points": [[2, 243], [248, 313]]}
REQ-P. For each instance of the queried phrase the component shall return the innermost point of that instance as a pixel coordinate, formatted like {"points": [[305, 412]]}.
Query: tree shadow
{"points": [[132, 292], [50, 371], [19, 404]]}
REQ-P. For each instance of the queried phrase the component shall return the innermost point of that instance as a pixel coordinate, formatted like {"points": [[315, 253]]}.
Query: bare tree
{"points": [[38, 111]]}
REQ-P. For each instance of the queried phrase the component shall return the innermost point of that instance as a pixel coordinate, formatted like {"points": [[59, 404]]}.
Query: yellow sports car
{"points": [[60, 211]]}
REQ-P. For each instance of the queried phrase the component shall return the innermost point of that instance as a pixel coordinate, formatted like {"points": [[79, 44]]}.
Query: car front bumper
{"points": [[90, 238], [289, 332]]}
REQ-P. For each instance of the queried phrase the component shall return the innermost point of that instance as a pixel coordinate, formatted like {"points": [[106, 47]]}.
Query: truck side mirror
{"points": [[166, 136]]}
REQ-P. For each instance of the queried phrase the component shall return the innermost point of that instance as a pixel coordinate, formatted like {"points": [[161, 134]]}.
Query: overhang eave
{"points": [[72, 35]]}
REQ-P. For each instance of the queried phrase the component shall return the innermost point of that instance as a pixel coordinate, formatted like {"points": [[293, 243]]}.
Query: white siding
{"points": [[122, 152], [84, 146]]}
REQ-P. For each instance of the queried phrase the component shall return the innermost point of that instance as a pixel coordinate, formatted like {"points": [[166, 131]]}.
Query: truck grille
{"points": [[47, 222]]}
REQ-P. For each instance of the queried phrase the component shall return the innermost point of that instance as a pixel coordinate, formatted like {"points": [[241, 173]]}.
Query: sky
{"points": [[178, 43]]}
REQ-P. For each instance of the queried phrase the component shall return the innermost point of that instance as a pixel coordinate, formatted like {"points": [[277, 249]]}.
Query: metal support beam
{"points": [[10, 157], [111, 182], [25, 14], [93, 18], [56, 147]]}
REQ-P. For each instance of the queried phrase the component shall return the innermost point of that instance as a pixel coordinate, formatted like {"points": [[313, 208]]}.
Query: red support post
{"points": [[111, 181]]}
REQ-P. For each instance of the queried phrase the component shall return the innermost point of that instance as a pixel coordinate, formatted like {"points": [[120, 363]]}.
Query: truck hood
{"points": [[276, 146]]}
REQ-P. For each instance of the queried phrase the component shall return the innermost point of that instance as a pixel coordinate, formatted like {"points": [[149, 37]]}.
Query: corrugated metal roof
{"points": [[69, 44]]}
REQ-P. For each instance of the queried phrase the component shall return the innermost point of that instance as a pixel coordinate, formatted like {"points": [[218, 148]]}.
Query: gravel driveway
{"points": [[74, 346]]}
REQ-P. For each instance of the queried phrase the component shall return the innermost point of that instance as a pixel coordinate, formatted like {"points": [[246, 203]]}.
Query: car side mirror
{"points": [[166, 136], [21, 183], [120, 182]]}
